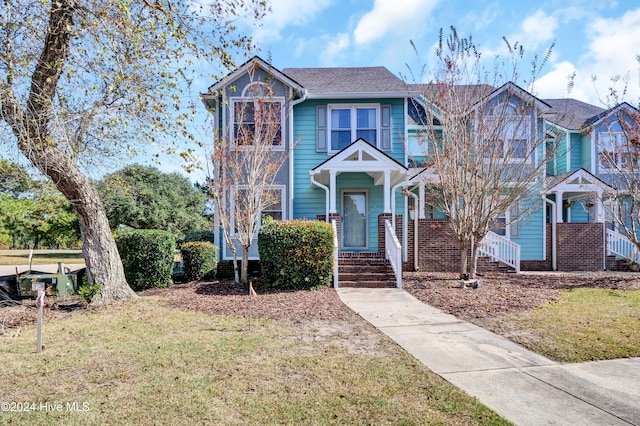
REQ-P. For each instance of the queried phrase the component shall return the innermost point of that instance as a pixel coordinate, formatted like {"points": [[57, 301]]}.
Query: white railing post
{"points": [[336, 250], [620, 245], [393, 251], [501, 249]]}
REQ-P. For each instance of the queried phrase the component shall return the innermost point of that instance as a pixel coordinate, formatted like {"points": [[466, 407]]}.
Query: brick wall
{"points": [[438, 250], [581, 246]]}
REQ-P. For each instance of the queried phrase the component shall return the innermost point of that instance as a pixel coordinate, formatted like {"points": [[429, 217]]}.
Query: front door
{"points": [[355, 220]]}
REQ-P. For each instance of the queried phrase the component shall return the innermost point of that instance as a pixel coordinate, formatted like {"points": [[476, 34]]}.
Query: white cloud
{"points": [[555, 84], [288, 13], [387, 16], [611, 51], [334, 47], [537, 29]]}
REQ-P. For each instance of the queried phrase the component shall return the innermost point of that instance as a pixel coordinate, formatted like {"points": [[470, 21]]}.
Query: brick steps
{"points": [[366, 270], [485, 265]]}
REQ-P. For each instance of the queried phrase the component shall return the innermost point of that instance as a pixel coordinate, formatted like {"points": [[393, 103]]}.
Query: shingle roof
{"points": [[571, 114], [374, 81], [471, 93]]}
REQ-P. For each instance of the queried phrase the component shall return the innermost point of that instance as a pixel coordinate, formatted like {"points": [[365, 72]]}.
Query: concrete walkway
{"points": [[523, 387]]}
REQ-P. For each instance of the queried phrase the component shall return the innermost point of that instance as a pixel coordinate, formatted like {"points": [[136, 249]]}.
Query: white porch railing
{"points": [[499, 248], [393, 251], [336, 250], [620, 245]]}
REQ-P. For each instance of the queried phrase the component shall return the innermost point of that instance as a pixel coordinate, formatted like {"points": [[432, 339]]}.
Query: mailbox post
{"points": [[38, 286]]}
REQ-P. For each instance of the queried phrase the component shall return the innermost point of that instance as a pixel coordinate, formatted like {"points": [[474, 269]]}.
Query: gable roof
{"points": [[360, 156], [255, 61], [630, 110], [341, 83], [571, 114], [580, 180]]}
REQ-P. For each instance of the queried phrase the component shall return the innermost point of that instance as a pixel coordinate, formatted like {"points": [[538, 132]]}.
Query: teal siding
{"points": [[531, 234], [309, 201], [577, 152]]}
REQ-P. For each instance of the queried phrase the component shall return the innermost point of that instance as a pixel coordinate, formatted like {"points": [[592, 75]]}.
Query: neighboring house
{"points": [[351, 139]]}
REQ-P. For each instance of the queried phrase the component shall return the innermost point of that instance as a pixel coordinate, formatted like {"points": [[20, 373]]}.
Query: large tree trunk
{"points": [[99, 249]]}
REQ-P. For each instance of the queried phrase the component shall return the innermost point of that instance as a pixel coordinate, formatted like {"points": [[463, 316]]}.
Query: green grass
{"points": [[584, 324], [142, 362], [40, 257]]}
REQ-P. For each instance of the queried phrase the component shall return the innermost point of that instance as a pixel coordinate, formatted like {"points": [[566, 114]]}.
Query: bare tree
{"points": [[618, 158], [84, 79], [245, 167], [482, 137]]}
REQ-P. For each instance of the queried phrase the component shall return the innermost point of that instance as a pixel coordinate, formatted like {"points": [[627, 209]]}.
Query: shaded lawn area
{"points": [[144, 362]]}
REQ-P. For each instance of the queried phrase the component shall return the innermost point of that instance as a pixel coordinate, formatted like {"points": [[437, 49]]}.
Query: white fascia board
{"points": [[329, 96]]}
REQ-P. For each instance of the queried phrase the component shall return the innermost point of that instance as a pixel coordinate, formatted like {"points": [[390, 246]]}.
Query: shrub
{"points": [[147, 256], [296, 254], [198, 236], [199, 259]]}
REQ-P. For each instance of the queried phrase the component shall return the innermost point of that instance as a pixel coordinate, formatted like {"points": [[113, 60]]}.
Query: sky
{"points": [[590, 38]]}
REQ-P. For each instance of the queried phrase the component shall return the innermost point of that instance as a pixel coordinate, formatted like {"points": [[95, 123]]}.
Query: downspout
{"points": [[393, 214], [408, 193], [554, 265], [291, 148], [326, 190]]}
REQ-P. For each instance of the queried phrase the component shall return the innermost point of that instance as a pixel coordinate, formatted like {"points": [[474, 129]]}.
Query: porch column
{"points": [[332, 191], [387, 191], [421, 201], [559, 206], [599, 213]]}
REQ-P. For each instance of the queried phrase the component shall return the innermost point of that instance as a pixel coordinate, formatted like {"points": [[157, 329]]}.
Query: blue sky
{"points": [[600, 38]]}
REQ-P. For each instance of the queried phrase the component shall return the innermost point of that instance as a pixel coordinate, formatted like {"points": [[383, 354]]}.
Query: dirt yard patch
{"points": [[490, 306]]}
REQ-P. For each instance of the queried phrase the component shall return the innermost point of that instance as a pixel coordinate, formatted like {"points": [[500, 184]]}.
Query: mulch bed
{"points": [[498, 296]]}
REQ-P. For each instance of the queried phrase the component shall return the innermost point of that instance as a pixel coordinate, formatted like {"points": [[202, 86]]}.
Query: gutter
{"points": [[416, 215], [291, 149], [554, 262], [317, 184]]}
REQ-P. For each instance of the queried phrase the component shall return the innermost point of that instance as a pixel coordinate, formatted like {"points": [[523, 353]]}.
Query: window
{"points": [[613, 152], [348, 123], [510, 136], [509, 217], [257, 119], [272, 204]]}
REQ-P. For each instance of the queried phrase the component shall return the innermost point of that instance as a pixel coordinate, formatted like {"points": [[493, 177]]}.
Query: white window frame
{"points": [[354, 129], [232, 223], [233, 101], [523, 126], [619, 148]]}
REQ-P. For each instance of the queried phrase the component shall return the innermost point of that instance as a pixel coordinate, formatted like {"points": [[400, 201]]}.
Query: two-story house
{"points": [[350, 135]]}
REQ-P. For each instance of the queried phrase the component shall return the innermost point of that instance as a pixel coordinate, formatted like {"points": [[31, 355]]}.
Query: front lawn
{"points": [[144, 362]]}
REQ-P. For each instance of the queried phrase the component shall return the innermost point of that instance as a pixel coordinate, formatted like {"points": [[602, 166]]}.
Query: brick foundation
{"points": [[581, 246]]}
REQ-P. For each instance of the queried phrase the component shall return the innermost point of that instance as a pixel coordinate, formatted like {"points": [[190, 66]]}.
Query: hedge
{"points": [[147, 256], [296, 254], [199, 259]]}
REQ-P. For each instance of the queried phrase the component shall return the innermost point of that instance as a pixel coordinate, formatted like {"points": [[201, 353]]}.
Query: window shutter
{"points": [[385, 127], [321, 128]]}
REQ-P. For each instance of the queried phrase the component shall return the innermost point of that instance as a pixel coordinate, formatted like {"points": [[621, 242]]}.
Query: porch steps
{"points": [[494, 266], [366, 270], [614, 263]]}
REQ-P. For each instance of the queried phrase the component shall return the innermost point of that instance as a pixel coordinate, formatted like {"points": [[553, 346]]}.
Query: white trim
{"points": [[231, 128], [353, 107], [364, 191]]}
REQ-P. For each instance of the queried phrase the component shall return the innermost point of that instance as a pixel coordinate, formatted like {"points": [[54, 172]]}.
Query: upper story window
{"points": [[348, 123], [339, 125], [613, 152], [257, 117], [510, 138]]}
